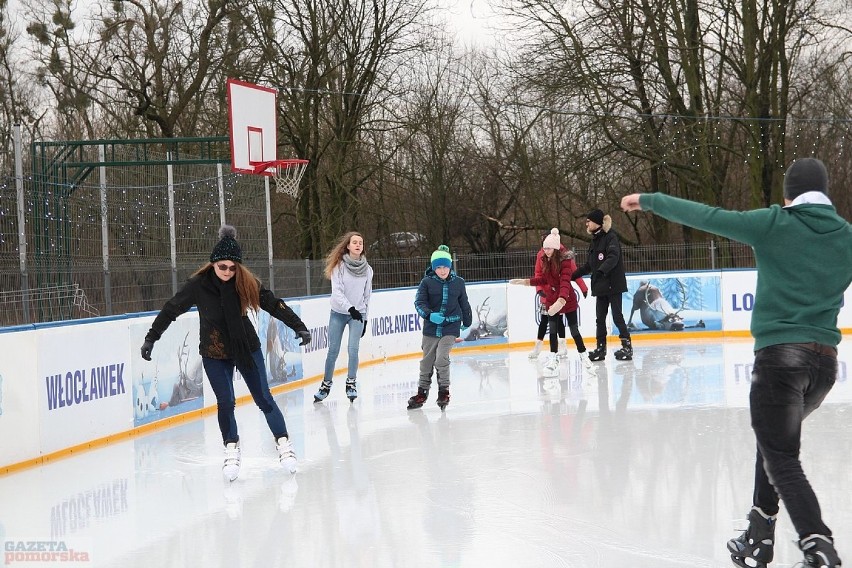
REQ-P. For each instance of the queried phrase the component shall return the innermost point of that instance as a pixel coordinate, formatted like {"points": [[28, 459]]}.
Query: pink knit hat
{"points": [[552, 241]]}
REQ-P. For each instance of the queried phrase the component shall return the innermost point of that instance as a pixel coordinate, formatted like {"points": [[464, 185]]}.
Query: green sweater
{"points": [[804, 263]]}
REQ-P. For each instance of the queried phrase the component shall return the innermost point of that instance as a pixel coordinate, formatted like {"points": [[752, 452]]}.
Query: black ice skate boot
{"points": [[599, 354], [351, 389], [418, 399], [626, 351], [819, 551], [755, 547], [323, 391], [443, 397]]}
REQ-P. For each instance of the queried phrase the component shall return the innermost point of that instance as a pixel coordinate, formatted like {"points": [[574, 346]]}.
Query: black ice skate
{"points": [[755, 547], [322, 393], [351, 389], [598, 354], [418, 399], [443, 397], [626, 351], [819, 551]]}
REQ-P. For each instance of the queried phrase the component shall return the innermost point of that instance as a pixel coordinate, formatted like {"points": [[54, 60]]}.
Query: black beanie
{"points": [[803, 175], [596, 216], [227, 248]]}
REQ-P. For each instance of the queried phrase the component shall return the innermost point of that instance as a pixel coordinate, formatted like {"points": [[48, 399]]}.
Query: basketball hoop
{"points": [[286, 173]]}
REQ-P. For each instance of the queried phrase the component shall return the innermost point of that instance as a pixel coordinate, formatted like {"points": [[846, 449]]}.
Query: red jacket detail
{"points": [[557, 286]]}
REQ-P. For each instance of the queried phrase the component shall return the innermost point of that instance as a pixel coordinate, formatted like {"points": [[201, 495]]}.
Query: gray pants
{"points": [[436, 353]]}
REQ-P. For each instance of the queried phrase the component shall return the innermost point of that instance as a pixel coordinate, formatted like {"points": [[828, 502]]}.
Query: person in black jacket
{"points": [[609, 282], [224, 290]]}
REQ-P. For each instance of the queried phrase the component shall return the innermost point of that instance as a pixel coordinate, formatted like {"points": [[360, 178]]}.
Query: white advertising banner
{"points": [[19, 418], [738, 292], [72, 383], [84, 384]]}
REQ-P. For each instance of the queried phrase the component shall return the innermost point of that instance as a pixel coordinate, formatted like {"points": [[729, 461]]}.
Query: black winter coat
{"points": [[605, 264], [203, 291]]}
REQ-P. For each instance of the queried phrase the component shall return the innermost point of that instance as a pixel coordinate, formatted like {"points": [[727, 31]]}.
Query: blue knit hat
{"points": [[441, 257], [227, 248]]}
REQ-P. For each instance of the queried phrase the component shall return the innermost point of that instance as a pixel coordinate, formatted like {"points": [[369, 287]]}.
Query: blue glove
{"points": [[436, 318]]}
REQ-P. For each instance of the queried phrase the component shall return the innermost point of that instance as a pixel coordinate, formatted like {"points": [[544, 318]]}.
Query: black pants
{"points": [[602, 306], [544, 324], [788, 383], [556, 325]]}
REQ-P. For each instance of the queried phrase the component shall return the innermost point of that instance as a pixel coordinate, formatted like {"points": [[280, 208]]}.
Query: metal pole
{"points": [[22, 223], [712, 254], [307, 277], [172, 237], [221, 194], [269, 232], [105, 231]]}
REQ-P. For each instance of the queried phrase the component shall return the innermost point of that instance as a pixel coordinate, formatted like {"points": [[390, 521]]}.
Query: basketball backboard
{"points": [[252, 116]]}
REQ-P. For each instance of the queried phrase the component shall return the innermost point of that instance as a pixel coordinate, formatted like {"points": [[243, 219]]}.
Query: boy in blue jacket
{"points": [[442, 303], [795, 342]]}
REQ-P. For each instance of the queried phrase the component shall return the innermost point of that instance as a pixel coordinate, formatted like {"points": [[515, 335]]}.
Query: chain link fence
{"points": [[140, 288]]}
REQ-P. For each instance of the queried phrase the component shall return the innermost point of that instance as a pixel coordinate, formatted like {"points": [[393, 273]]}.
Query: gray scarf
{"points": [[356, 267]]}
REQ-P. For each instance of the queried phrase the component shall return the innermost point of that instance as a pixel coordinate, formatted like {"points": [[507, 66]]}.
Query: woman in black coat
{"points": [[224, 290]]}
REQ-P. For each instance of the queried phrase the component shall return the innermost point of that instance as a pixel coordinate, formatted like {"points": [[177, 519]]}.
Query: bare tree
{"points": [[17, 97], [696, 93], [152, 67], [338, 65]]}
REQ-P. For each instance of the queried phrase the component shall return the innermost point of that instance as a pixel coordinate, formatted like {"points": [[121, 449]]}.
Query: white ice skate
{"points": [[536, 350], [587, 363], [286, 455], [551, 368], [231, 467]]}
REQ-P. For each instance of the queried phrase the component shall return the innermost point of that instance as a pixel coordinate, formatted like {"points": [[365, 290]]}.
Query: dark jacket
{"points": [[204, 290], [555, 286], [449, 297], [604, 262]]}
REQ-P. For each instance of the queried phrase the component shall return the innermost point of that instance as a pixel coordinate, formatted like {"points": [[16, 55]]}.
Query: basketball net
{"points": [[286, 173]]}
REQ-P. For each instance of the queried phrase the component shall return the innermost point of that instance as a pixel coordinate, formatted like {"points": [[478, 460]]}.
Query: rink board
{"points": [[82, 382]]}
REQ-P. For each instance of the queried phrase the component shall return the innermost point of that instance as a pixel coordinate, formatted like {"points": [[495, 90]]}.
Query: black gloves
{"points": [[147, 347], [356, 315], [305, 335], [364, 329], [585, 293]]}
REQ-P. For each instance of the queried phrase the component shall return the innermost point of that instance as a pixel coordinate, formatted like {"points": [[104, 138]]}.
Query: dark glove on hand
{"points": [[364, 329], [305, 335], [356, 315], [585, 293], [147, 347]]}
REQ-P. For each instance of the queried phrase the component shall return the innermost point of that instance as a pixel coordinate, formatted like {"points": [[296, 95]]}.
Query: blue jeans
{"points": [[788, 382], [220, 373], [336, 324]]}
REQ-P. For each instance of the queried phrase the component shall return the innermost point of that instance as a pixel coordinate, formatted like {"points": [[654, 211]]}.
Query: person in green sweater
{"points": [[795, 342]]}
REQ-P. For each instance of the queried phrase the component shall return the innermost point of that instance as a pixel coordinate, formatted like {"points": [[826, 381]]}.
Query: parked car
{"points": [[403, 243]]}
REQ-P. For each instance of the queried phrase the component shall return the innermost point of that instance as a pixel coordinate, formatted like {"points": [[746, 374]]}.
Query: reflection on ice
{"points": [[646, 463]]}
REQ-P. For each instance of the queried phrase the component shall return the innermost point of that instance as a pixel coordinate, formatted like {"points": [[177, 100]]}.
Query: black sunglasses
{"points": [[226, 268]]}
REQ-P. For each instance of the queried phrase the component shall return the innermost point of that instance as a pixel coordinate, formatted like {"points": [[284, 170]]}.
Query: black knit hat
{"points": [[227, 248], [596, 216], [804, 175]]}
